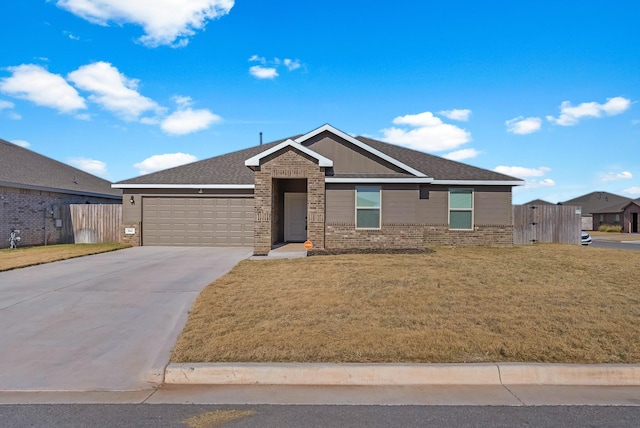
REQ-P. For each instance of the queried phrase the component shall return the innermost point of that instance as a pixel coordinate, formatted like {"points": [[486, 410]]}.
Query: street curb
{"points": [[355, 374]]}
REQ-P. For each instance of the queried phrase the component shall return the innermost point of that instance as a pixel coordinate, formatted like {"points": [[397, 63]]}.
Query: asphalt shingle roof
{"points": [[230, 168], [23, 168], [597, 201]]}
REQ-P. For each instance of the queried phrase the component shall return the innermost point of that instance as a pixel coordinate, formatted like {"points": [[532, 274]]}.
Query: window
{"points": [[368, 207], [424, 192], [461, 209]]}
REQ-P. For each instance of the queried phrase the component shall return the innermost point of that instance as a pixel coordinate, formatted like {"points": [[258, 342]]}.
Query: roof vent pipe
{"points": [[261, 138]]}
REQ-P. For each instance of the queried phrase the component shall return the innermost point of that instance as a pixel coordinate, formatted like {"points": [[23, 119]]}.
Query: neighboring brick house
{"points": [[594, 202], [328, 187], [34, 191], [624, 215]]}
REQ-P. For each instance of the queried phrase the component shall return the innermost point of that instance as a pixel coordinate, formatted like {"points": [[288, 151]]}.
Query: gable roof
{"points": [[595, 201], [617, 208], [538, 202], [231, 171], [322, 161], [25, 169]]}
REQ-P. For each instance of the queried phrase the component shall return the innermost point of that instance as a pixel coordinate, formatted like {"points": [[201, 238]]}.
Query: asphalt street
{"points": [[615, 245], [107, 416]]}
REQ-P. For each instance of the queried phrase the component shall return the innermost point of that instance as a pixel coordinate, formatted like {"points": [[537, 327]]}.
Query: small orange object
{"points": [[308, 245]]}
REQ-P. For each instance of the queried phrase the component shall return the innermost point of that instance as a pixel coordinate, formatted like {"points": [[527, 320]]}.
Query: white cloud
{"points": [[255, 58], [614, 176], [112, 90], [634, 191], [159, 162], [165, 22], [456, 114], [519, 171], [522, 126], [21, 143], [536, 184], [6, 105], [571, 115], [459, 155], [260, 72], [91, 166], [292, 64], [187, 121], [268, 69], [36, 84], [429, 133]]}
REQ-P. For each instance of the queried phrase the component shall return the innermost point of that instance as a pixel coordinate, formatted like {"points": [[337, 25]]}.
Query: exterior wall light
{"points": [[132, 200]]}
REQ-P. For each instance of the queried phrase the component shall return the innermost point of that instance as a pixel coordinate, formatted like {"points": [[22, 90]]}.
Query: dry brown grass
{"points": [[543, 303], [217, 418], [30, 256]]}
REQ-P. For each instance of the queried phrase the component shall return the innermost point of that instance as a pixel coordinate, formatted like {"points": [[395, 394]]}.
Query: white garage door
{"points": [[197, 221]]}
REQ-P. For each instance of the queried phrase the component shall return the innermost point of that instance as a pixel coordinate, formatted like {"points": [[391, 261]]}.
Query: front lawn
{"points": [[30, 256], [542, 303]]}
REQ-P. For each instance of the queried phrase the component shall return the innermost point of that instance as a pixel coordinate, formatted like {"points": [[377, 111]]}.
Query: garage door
{"points": [[197, 221]]}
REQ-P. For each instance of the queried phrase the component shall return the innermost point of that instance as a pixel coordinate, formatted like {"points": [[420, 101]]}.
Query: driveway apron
{"points": [[106, 322]]}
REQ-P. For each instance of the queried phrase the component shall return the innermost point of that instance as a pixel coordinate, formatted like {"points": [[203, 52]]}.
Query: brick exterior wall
{"points": [[403, 236], [131, 239], [29, 211], [287, 164], [481, 235]]}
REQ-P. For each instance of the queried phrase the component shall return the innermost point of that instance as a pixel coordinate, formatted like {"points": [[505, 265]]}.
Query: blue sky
{"points": [[546, 91]]}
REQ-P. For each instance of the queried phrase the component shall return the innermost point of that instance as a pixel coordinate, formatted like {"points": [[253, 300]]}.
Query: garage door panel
{"points": [[197, 221]]}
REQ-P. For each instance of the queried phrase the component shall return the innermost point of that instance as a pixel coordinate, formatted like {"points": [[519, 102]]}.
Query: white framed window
{"points": [[368, 207], [461, 209]]}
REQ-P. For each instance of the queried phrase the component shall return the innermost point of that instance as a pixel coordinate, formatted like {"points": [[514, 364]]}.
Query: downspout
{"points": [[45, 226]]}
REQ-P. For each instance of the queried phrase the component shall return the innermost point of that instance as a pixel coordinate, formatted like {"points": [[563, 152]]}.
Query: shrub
{"points": [[609, 228]]}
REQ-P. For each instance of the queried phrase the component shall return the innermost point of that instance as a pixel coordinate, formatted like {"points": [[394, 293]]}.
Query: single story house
{"points": [[538, 202], [335, 190], [34, 191], [624, 215], [592, 202]]}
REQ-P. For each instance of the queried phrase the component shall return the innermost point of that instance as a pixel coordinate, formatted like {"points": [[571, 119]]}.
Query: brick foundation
{"points": [[398, 236]]}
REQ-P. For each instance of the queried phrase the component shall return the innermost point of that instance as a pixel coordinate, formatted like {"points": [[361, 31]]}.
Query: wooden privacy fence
{"points": [[546, 223], [92, 223]]}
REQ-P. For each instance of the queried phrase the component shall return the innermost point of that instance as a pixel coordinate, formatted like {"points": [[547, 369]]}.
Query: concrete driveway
{"points": [[105, 322]]}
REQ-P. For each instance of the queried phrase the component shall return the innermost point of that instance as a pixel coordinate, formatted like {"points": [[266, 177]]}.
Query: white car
{"points": [[585, 238]]}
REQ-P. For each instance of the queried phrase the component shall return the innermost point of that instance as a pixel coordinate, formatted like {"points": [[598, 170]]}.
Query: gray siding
{"points": [[434, 210], [340, 203], [348, 159], [493, 206], [401, 204]]}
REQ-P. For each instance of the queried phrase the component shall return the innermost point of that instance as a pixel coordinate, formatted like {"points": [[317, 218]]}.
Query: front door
{"points": [[295, 217], [634, 222]]}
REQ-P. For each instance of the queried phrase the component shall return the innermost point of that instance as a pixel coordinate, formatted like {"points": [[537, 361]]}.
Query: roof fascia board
{"points": [[424, 180], [322, 161], [479, 182], [182, 186], [57, 190], [361, 145]]}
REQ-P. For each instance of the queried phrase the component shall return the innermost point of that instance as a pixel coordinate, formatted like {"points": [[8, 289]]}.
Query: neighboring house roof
{"points": [[25, 169], [538, 202], [230, 170], [617, 208], [596, 201]]}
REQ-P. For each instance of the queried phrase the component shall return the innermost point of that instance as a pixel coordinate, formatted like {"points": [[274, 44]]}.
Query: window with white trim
{"points": [[368, 207], [461, 209]]}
